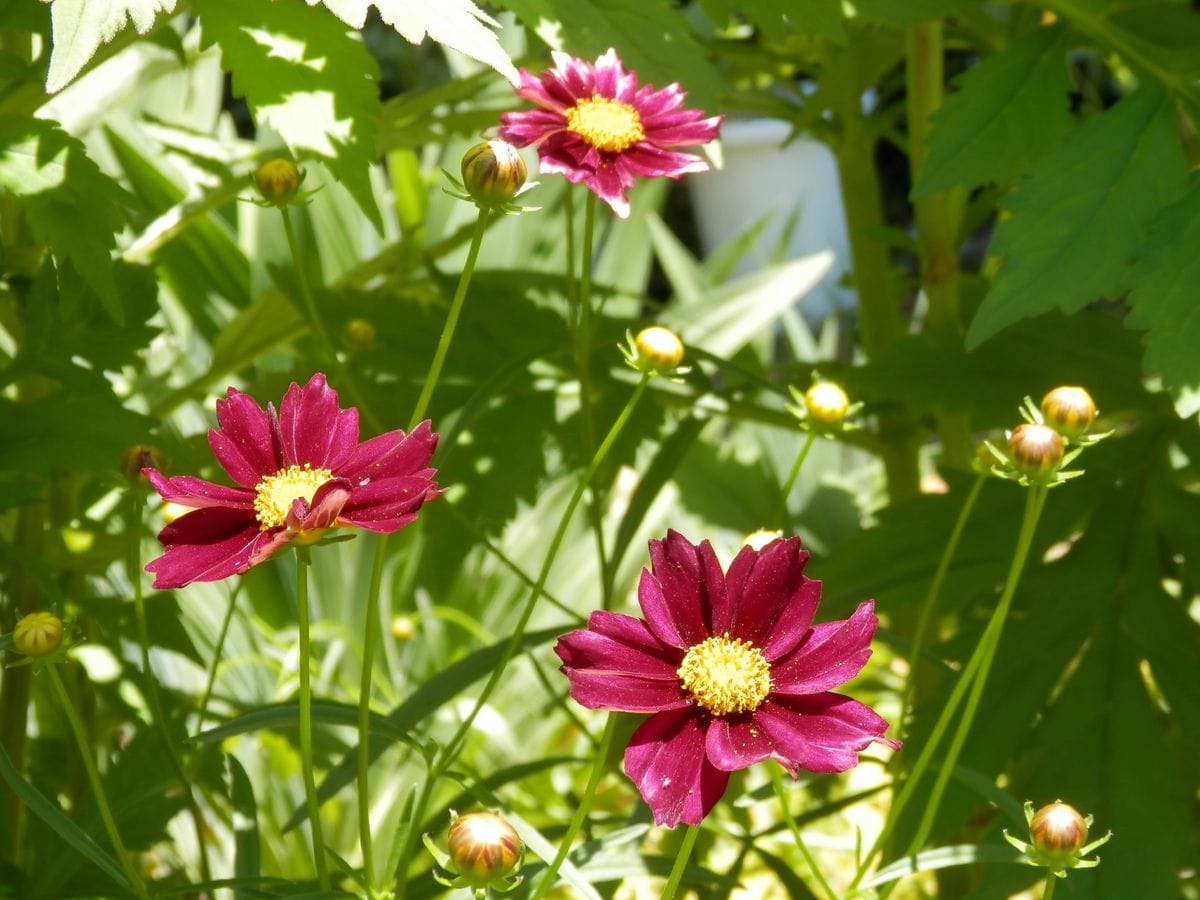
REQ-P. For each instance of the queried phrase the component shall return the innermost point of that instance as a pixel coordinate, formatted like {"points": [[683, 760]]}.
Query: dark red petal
{"points": [[634, 632], [821, 732], [772, 602], [243, 444], [537, 91], [198, 493], [389, 504], [738, 741], [831, 654], [666, 760], [612, 80], [692, 586], [607, 674], [640, 654], [326, 505], [313, 428], [391, 455], [606, 183], [647, 161], [211, 544]]}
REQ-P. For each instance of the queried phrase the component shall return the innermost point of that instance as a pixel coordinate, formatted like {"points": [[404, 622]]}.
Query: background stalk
{"points": [[781, 516], [370, 636], [681, 861], [306, 751], [797, 836]]}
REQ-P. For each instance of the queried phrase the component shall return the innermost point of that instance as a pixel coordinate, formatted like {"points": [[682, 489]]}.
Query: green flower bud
{"points": [[1069, 410], [756, 540], [1035, 449], [278, 180], [359, 333], [1058, 830], [38, 634], [483, 848], [827, 403], [403, 627], [493, 172], [659, 348]]}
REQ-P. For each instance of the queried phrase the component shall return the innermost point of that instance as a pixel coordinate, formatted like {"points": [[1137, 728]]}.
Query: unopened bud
{"points": [[1057, 829], [278, 180], [1035, 449], [756, 540], [403, 627], [826, 402], [38, 634], [1069, 410], [359, 333], [483, 848], [659, 348], [138, 457], [493, 172], [171, 511]]}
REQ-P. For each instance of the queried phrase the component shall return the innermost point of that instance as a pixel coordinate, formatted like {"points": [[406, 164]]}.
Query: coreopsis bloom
{"points": [[596, 126], [298, 470], [732, 669]]}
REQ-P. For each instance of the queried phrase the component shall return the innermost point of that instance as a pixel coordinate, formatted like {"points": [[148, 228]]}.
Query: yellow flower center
{"points": [[726, 675], [273, 496], [608, 125]]}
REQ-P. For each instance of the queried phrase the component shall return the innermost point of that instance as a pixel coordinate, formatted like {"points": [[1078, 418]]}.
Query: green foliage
{"points": [[81, 26]]}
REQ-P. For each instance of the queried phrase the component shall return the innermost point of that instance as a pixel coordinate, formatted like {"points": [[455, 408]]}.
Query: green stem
{"points": [[306, 750], [1048, 892], [159, 720], [781, 792], [216, 660], [581, 812], [781, 516], [452, 747], [681, 861], [456, 305], [89, 764], [931, 598], [370, 637], [987, 653]]}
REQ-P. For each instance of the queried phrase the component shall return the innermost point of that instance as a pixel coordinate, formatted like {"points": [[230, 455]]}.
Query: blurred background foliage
{"points": [[1020, 211]]}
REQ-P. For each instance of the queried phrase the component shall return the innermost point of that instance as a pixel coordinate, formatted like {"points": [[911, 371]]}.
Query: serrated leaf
{"points": [[57, 182], [306, 77], [81, 26], [775, 18], [1070, 229], [75, 432], [1165, 301], [1007, 111], [458, 24], [1167, 33], [910, 12]]}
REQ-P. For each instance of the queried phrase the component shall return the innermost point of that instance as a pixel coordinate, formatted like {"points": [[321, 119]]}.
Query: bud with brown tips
{"points": [[1069, 410], [1058, 829], [278, 180], [1035, 449], [483, 848], [493, 172], [38, 634]]}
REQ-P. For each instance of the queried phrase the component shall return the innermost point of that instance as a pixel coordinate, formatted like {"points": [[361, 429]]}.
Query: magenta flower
{"points": [[598, 127], [299, 470], [732, 669]]}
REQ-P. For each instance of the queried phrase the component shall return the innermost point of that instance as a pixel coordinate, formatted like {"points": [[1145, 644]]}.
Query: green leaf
{"points": [[56, 819], [776, 18], [306, 77], [943, 858], [1164, 299], [284, 715], [458, 24], [81, 26], [57, 183], [1007, 111], [74, 432], [910, 12], [1069, 231], [1167, 33], [247, 853]]}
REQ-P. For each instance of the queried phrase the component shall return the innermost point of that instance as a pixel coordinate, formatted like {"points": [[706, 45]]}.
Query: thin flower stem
{"points": [[318, 326], [781, 792], [781, 515], [306, 751], [581, 812], [1048, 892], [681, 861], [453, 746], [89, 764], [158, 719], [931, 598], [216, 660], [370, 636], [456, 305], [987, 653]]}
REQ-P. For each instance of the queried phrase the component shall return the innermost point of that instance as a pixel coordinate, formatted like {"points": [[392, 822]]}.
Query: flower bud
{"points": [[403, 627], [659, 348], [1069, 410], [359, 333], [756, 540], [138, 457], [38, 634], [493, 172], [171, 511], [1035, 449], [483, 848], [826, 402], [278, 180], [1058, 830]]}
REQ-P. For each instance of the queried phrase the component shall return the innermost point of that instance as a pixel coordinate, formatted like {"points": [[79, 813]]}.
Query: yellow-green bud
{"points": [[756, 540], [483, 848], [826, 402], [138, 457], [1035, 449], [493, 172], [403, 627], [1069, 410], [1057, 829], [359, 333], [659, 348], [171, 511], [278, 180], [38, 634]]}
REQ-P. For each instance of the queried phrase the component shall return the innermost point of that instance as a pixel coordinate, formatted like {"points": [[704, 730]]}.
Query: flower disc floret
{"points": [[607, 125], [726, 675], [38, 634], [275, 494]]}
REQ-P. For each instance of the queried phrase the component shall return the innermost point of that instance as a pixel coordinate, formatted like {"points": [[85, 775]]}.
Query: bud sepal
{"points": [[1057, 836], [1034, 454]]}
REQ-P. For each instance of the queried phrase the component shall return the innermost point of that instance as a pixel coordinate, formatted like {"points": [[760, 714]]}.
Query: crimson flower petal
{"points": [[313, 428], [391, 455], [684, 587], [666, 760], [324, 509], [244, 444], [197, 493], [831, 654], [762, 587], [210, 544]]}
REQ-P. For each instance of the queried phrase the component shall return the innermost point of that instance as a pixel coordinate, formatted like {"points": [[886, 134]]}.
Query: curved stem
{"points": [[456, 305], [781, 793], [306, 751], [932, 596], [681, 861], [370, 637], [159, 721], [89, 764], [781, 516], [216, 660], [581, 812], [1048, 892]]}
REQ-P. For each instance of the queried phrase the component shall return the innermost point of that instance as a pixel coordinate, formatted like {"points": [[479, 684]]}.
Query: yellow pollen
{"points": [[726, 675], [608, 125], [273, 495]]}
